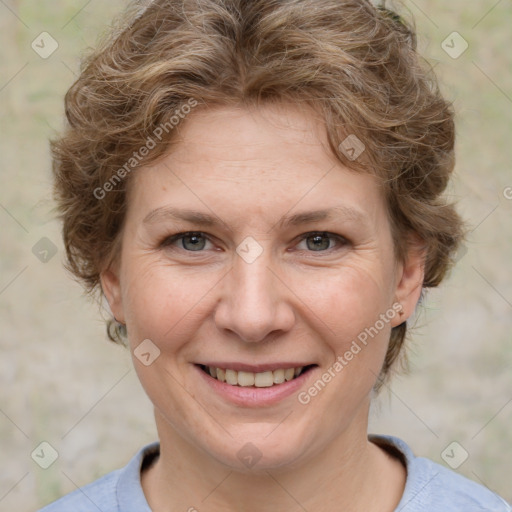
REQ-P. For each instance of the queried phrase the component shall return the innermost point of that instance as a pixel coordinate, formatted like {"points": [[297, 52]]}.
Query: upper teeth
{"points": [[259, 380]]}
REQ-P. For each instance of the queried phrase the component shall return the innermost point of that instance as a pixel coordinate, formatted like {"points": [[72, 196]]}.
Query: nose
{"points": [[255, 303]]}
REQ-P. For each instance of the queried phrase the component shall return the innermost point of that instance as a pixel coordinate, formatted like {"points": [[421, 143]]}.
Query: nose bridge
{"points": [[255, 302], [254, 283]]}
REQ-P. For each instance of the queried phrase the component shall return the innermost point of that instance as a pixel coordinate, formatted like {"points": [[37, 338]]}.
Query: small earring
{"points": [[118, 322]]}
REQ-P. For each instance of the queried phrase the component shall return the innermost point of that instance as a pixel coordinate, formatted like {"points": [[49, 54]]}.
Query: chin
{"points": [[258, 448]]}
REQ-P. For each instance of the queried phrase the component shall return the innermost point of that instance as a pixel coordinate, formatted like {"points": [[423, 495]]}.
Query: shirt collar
{"points": [[130, 495], [131, 498]]}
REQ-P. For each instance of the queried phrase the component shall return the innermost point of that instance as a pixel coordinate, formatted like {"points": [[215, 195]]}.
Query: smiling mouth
{"points": [[256, 380]]}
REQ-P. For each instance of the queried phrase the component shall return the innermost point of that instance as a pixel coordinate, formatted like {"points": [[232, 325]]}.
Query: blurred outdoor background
{"points": [[63, 383]]}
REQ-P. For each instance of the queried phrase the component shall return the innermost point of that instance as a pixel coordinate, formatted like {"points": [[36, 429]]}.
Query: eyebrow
{"points": [[192, 216], [205, 219], [340, 212]]}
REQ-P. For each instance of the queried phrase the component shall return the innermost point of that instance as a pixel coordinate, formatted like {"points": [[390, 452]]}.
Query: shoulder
{"points": [[98, 495], [430, 486], [118, 491], [436, 485]]}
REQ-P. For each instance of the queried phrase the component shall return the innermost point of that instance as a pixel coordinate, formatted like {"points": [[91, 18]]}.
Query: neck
{"points": [[349, 474]]}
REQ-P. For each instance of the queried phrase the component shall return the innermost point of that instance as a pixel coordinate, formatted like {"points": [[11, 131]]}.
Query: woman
{"points": [[256, 189]]}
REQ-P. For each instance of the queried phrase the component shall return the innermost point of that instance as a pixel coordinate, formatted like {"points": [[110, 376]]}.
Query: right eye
{"points": [[191, 241]]}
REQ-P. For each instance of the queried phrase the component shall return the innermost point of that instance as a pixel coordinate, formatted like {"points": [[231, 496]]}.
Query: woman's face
{"points": [[289, 264]]}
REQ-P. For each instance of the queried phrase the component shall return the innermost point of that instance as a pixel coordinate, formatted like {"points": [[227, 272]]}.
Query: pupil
{"points": [[320, 242], [196, 240]]}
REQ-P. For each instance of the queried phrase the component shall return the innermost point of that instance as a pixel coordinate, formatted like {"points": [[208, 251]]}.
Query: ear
{"points": [[111, 287], [410, 275]]}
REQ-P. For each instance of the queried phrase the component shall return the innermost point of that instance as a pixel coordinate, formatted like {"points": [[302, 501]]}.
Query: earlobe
{"points": [[111, 287], [411, 274]]}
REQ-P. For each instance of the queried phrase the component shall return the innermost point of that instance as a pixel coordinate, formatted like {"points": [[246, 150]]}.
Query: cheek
{"points": [[165, 303], [349, 299], [349, 306], [161, 302], [356, 340]]}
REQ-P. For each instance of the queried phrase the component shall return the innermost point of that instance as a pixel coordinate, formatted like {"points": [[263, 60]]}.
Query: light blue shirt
{"points": [[430, 487]]}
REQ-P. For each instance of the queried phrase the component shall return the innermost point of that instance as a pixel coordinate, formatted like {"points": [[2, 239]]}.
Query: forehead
{"points": [[273, 159], [232, 134]]}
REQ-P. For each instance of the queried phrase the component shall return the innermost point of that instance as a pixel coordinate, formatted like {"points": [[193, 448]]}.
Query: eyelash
{"points": [[342, 241]]}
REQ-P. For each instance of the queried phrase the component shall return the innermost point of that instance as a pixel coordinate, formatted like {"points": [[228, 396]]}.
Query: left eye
{"points": [[321, 241]]}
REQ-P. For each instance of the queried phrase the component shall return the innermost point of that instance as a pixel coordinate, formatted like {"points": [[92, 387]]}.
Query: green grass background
{"points": [[62, 382]]}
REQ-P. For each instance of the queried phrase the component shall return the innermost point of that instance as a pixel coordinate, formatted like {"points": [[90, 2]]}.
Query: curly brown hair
{"points": [[355, 63]]}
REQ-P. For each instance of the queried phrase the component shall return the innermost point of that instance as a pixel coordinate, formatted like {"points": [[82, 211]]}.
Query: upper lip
{"points": [[254, 368]]}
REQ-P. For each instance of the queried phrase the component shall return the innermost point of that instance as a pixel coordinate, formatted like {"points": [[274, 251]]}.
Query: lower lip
{"points": [[253, 396]]}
